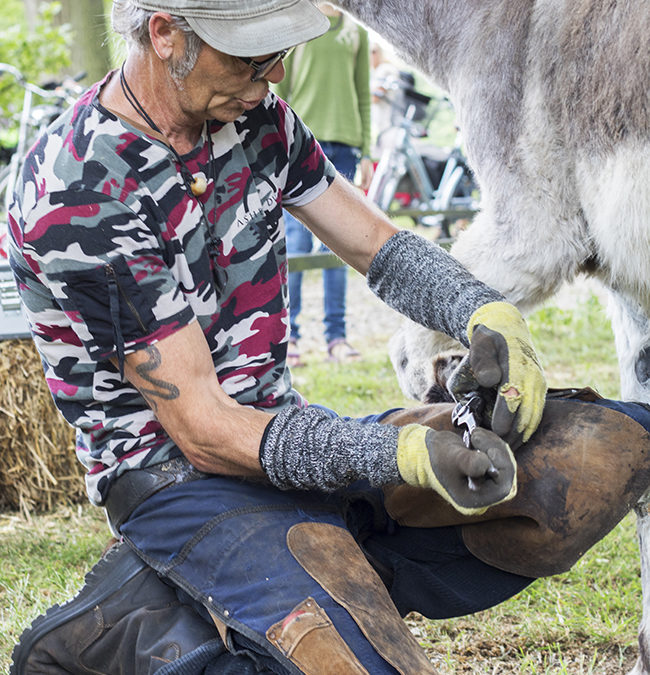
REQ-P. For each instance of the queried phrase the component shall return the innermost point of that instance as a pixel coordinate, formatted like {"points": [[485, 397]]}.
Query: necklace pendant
{"points": [[199, 184]]}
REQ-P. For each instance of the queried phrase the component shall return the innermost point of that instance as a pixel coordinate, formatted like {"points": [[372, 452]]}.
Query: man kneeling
{"points": [[340, 570]]}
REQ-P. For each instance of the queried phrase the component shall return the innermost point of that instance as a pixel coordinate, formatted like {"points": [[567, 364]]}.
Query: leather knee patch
{"points": [[308, 638], [333, 558]]}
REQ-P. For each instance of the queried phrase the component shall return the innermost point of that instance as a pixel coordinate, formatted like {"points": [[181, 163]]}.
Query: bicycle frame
{"points": [[401, 158]]}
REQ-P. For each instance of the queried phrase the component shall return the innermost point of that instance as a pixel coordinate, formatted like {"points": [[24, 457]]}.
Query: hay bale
{"points": [[38, 467]]}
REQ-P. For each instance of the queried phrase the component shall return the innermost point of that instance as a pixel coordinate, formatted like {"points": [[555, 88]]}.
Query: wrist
{"points": [[413, 456], [312, 449], [495, 314]]}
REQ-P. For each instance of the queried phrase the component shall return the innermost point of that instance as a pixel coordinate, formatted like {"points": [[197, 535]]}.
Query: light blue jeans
{"points": [[300, 240]]}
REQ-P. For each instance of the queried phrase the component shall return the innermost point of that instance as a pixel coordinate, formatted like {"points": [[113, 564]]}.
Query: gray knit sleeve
{"points": [[424, 283], [306, 449]]}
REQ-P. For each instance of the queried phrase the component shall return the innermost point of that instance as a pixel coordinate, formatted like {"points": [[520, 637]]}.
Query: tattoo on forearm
{"points": [[163, 390]]}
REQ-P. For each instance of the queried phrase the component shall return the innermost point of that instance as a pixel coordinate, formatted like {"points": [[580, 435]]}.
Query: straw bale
{"points": [[38, 467]]}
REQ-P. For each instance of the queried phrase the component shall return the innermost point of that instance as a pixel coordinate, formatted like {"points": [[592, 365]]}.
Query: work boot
{"points": [[124, 621]]}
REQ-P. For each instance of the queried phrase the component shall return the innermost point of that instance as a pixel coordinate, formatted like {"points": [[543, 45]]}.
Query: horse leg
{"points": [[642, 510], [631, 328], [632, 337], [500, 258]]}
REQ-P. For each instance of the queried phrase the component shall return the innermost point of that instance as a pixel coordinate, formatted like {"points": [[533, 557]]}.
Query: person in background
{"points": [[328, 85]]}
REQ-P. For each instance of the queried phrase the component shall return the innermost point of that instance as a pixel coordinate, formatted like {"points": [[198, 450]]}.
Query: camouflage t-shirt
{"points": [[111, 253]]}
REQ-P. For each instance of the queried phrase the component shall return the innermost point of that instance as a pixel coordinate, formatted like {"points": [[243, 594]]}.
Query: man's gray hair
{"points": [[132, 23]]}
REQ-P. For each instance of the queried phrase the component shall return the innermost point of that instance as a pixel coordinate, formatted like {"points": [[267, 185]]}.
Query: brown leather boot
{"points": [[124, 621]]}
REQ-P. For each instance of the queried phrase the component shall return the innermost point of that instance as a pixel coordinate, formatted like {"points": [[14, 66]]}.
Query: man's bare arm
{"points": [[176, 375], [177, 379], [347, 223]]}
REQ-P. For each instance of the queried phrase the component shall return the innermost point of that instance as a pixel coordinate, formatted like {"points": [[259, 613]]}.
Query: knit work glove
{"points": [[502, 355], [470, 480]]}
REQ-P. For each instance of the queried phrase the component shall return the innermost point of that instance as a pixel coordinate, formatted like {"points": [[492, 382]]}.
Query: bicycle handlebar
{"points": [[57, 90], [12, 70]]}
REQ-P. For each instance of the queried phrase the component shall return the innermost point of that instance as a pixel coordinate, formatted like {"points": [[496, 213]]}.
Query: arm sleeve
{"points": [[307, 449], [424, 283]]}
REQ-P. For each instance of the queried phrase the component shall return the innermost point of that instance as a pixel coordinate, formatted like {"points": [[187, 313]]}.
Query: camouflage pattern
{"points": [[112, 253]]}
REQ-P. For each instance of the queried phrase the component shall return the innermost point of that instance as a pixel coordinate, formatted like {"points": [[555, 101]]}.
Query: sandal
{"points": [[293, 355], [340, 350]]}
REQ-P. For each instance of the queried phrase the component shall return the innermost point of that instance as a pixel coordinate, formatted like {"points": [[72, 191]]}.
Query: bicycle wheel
{"points": [[383, 188], [460, 193]]}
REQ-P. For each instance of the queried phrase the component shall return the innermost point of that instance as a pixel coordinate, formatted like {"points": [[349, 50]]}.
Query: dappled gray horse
{"points": [[553, 98]]}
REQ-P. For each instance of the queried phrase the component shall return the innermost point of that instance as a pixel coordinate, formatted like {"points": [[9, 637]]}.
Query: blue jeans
{"points": [[300, 240], [223, 542]]}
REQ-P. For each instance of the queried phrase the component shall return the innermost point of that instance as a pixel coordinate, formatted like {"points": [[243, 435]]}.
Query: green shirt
{"points": [[328, 84]]}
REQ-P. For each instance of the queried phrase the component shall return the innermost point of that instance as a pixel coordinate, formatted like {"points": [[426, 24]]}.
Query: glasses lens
{"points": [[263, 68]]}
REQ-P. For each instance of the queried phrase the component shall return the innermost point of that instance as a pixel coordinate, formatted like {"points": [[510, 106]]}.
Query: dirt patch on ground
{"points": [[368, 320], [509, 653]]}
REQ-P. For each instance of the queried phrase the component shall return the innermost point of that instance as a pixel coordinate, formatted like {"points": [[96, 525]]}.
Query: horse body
{"points": [[553, 99]]}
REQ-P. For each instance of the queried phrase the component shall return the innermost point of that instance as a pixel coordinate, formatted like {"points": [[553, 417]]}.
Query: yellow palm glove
{"points": [[501, 355], [470, 480]]}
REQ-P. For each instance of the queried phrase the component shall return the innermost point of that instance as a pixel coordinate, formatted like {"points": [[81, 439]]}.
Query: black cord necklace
{"points": [[196, 185]]}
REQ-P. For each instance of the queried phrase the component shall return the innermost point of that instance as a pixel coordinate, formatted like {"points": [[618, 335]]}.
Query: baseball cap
{"points": [[246, 27]]}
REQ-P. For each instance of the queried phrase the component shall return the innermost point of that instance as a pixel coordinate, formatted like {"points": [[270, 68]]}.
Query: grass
{"points": [[353, 389], [576, 346], [584, 621], [581, 622], [43, 561]]}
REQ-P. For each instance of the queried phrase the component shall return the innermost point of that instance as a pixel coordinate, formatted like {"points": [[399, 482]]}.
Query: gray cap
{"points": [[246, 27]]}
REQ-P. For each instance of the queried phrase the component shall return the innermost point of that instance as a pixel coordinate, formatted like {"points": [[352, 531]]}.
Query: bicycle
{"points": [[431, 185], [33, 119]]}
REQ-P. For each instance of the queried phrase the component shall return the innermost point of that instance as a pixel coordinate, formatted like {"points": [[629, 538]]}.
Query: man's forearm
{"points": [[309, 450], [424, 283]]}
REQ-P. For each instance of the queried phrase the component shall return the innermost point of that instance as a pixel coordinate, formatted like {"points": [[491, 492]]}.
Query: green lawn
{"points": [[584, 621]]}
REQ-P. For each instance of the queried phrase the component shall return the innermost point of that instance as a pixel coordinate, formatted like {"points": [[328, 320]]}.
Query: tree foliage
{"points": [[39, 53]]}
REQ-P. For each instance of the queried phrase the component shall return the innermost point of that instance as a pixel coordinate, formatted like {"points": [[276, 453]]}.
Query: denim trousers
{"points": [[222, 542], [300, 240]]}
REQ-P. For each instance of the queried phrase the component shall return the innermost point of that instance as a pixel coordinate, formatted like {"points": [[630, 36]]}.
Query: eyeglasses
{"points": [[263, 68]]}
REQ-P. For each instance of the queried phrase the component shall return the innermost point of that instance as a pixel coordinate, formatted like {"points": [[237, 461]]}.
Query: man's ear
{"points": [[164, 36]]}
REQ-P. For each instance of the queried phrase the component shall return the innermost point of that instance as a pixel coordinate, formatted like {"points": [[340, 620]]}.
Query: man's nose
{"points": [[276, 74]]}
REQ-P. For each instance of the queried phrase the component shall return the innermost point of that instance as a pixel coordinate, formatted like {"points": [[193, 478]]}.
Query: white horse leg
{"points": [[412, 350], [631, 328], [501, 259], [632, 335], [642, 666]]}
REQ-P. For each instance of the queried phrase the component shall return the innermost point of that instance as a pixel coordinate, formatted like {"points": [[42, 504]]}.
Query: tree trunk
{"points": [[31, 13], [89, 51]]}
